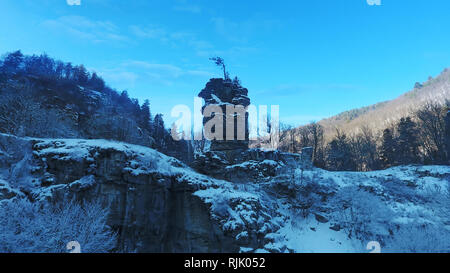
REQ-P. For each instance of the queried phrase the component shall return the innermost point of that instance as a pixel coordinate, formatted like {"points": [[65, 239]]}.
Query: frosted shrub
{"points": [[27, 227], [364, 214], [415, 238], [15, 161]]}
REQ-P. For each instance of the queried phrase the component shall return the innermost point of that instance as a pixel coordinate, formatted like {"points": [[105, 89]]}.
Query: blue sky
{"points": [[314, 58]]}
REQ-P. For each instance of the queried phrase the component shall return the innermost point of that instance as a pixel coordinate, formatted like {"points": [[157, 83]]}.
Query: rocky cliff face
{"points": [[157, 204], [151, 198]]}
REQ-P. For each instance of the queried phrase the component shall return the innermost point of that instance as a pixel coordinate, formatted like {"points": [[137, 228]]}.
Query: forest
{"points": [[420, 138], [44, 97]]}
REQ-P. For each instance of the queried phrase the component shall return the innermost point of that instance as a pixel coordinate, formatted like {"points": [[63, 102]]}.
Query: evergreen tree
{"points": [[47, 65], [339, 154], [59, 69], [96, 83], [124, 98], [387, 153], [68, 71], [81, 75], [159, 129], [407, 142], [145, 116], [12, 62]]}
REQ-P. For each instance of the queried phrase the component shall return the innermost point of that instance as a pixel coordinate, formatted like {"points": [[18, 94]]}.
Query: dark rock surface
{"points": [[225, 93], [153, 210]]}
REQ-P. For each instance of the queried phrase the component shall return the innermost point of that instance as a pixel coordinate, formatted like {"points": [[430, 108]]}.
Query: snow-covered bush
{"points": [[15, 162], [27, 227], [415, 238], [312, 193], [403, 191], [21, 114], [363, 215]]}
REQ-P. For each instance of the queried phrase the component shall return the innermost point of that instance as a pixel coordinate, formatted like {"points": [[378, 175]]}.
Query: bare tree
{"points": [[431, 119], [316, 132], [221, 62]]}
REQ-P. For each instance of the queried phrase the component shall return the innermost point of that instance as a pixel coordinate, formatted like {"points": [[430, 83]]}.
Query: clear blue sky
{"points": [[314, 58]]}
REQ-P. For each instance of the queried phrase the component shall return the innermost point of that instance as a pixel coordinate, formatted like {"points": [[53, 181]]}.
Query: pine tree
{"points": [[81, 75], [407, 142], [124, 98], [96, 83], [339, 154], [145, 116], [59, 69], [387, 153], [12, 62], [68, 71], [159, 129]]}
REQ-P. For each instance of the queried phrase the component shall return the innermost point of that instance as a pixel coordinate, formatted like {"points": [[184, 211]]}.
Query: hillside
{"points": [[381, 115], [44, 97]]}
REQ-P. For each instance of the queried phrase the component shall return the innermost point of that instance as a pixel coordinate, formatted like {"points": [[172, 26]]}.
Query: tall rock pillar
{"points": [[227, 95]]}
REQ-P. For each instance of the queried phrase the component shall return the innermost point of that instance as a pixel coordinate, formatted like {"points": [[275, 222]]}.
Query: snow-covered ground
{"points": [[387, 206]]}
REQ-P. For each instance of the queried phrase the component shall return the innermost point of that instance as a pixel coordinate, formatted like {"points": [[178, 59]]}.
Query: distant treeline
{"points": [[421, 138], [44, 97]]}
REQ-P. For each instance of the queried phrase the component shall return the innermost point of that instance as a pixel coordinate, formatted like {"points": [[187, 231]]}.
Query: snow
{"points": [[218, 101], [7, 190], [46, 193], [145, 160], [270, 162], [310, 236], [83, 183]]}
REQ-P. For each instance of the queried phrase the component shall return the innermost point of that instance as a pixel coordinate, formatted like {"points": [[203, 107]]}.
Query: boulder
{"points": [[320, 218]]}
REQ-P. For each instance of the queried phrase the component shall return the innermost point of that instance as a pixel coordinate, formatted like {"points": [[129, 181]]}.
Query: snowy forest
{"points": [[44, 97], [421, 138]]}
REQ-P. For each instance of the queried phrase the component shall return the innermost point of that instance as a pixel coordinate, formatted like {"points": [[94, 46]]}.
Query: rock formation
{"points": [[225, 93], [231, 159]]}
